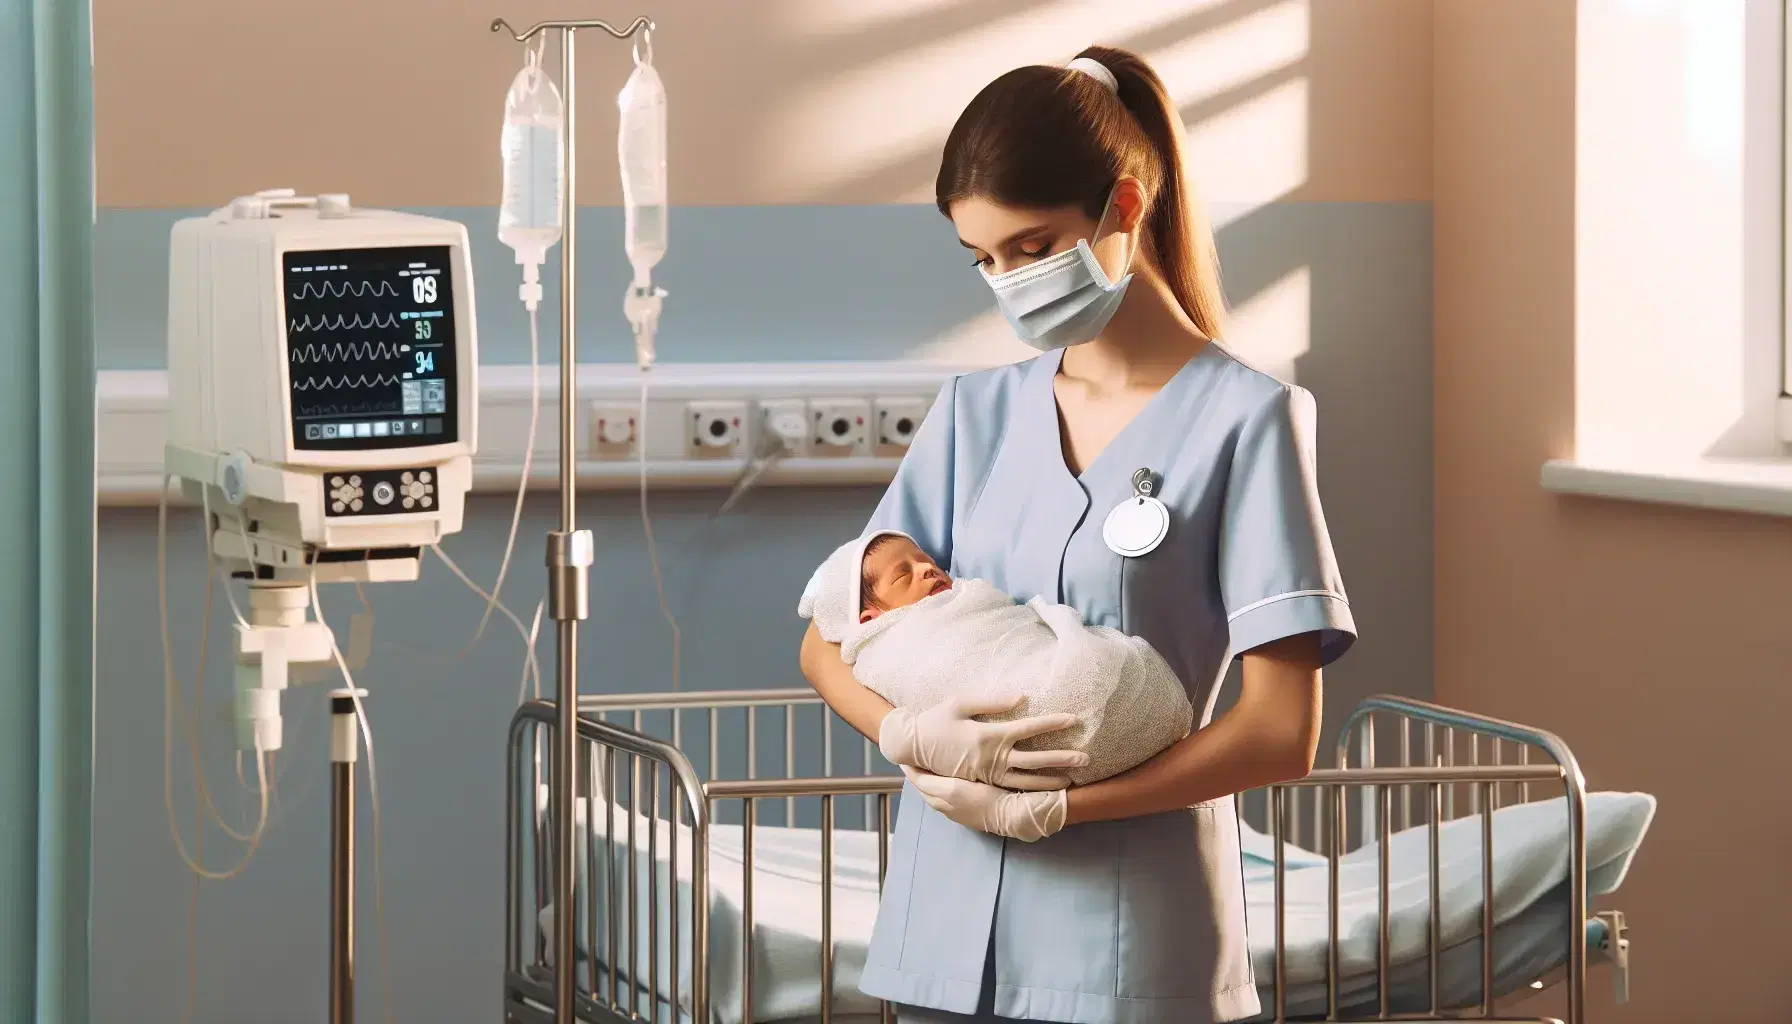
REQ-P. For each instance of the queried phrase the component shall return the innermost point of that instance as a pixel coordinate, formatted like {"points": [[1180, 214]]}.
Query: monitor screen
{"points": [[370, 347]]}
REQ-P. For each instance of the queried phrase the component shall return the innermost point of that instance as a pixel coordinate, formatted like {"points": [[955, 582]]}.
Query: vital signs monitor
{"points": [[323, 382]]}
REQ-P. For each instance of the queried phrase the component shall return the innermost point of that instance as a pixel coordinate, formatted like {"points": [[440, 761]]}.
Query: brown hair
{"points": [[866, 584], [1042, 137]]}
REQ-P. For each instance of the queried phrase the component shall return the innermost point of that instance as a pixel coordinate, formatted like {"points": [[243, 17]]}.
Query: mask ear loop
{"points": [[1132, 252]]}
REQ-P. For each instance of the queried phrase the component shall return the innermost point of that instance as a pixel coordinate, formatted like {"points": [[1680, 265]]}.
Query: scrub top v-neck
{"points": [[1140, 921]]}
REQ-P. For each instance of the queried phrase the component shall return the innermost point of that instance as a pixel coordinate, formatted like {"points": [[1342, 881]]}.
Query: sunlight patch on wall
{"points": [[896, 112], [1273, 329], [1252, 150], [984, 340], [1204, 66], [832, 18], [1254, 153]]}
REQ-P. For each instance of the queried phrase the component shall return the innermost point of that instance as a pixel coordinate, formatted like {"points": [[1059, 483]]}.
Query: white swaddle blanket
{"points": [[975, 640]]}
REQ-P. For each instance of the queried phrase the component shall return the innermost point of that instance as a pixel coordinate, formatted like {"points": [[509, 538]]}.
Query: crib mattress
{"points": [[1530, 909]]}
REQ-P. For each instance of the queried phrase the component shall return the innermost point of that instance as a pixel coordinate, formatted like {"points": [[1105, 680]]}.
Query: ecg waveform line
{"points": [[345, 381], [339, 322], [319, 352], [339, 289]]}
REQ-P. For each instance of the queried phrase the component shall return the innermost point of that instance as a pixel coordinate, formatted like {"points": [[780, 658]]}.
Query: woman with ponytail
{"points": [[1139, 472]]}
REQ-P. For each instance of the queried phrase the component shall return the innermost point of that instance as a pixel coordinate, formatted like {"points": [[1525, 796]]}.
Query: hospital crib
{"points": [[1374, 891]]}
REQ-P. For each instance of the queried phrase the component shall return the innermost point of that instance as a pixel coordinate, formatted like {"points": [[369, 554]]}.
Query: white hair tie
{"points": [[1097, 70]]}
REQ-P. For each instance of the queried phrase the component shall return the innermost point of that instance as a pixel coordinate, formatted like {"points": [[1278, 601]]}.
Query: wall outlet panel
{"points": [[133, 407], [894, 422], [613, 432], [716, 429], [787, 420], [840, 426]]}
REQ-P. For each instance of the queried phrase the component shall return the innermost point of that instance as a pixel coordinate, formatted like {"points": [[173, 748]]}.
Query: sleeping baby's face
{"points": [[897, 573]]}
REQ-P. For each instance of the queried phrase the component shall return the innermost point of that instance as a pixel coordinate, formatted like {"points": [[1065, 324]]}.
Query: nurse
{"points": [[1140, 473]]}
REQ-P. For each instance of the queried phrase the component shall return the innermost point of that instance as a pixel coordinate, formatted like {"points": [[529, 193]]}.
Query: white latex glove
{"points": [[947, 740], [1024, 816]]}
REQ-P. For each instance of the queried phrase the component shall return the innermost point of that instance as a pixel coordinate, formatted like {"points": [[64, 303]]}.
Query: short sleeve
{"points": [[919, 501], [1278, 574]]}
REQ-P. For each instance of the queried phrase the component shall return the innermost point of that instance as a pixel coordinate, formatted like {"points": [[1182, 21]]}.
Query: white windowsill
{"points": [[1762, 486]]}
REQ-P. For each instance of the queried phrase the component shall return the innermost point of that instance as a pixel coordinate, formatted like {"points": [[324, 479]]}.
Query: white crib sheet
{"points": [[1530, 852]]}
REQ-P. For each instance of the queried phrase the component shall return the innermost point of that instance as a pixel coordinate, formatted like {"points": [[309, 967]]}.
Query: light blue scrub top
{"points": [[1139, 921]]}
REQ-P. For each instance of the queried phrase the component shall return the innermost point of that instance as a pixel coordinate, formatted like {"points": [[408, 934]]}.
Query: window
{"points": [[1658, 413]]}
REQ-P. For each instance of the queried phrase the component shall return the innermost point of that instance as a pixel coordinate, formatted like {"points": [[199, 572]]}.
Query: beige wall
{"points": [[1655, 641], [1622, 627], [773, 101], [1625, 628]]}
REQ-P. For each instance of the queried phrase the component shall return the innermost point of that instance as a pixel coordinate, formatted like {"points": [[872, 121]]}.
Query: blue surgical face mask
{"points": [[1061, 300]]}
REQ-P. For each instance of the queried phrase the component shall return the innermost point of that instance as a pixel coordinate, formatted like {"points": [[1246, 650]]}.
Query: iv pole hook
{"points": [[642, 25]]}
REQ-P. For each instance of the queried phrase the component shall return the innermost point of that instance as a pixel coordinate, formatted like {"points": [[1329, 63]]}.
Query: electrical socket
{"points": [[786, 419], [897, 419], [715, 429], [840, 425], [614, 430]]}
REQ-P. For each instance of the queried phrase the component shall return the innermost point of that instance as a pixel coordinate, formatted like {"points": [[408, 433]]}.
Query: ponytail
{"points": [[1180, 237], [1043, 137]]}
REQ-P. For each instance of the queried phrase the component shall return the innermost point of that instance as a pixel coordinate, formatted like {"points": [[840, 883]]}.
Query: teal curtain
{"points": [[47, 514]]}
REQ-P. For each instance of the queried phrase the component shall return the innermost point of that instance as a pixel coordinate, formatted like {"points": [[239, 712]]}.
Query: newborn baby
{"points": [[918, 638]]}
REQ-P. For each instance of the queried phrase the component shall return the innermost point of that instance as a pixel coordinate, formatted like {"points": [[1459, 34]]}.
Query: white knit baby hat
{"points": [[832, 599]]}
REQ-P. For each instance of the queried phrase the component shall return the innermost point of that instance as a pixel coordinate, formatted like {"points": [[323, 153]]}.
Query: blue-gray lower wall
{"points": [[767, 284]]}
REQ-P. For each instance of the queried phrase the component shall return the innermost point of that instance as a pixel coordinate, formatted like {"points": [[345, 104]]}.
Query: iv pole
{"points": [[569, 550]]}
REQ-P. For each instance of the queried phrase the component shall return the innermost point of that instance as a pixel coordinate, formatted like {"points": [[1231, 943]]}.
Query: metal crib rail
{"points": [[529, 985], [524, 762], [702, 794], [1439, 775]]}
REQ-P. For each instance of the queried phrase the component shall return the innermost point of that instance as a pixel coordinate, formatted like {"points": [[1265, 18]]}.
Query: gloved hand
{"points": [[1024, 816], [947, 740]]}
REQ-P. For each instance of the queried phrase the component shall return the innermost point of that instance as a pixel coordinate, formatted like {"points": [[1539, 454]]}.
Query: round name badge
{"points": [[1139, 524]]}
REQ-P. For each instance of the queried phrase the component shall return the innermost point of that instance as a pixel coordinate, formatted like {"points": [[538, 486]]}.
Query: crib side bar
{"points": [[642, 757], [599, 703], [1447, 763]]}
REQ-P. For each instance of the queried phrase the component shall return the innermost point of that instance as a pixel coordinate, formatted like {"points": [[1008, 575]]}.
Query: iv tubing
{"points": [[170, 698], [531, 667], [653, 554], [522, 487]]}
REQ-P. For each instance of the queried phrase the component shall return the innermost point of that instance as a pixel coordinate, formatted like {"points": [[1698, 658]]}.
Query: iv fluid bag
{"points": [[641, 147], [534, 145]]}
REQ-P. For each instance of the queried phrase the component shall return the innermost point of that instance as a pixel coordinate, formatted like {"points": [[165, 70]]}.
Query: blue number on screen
{"points": [[426, 362]]}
